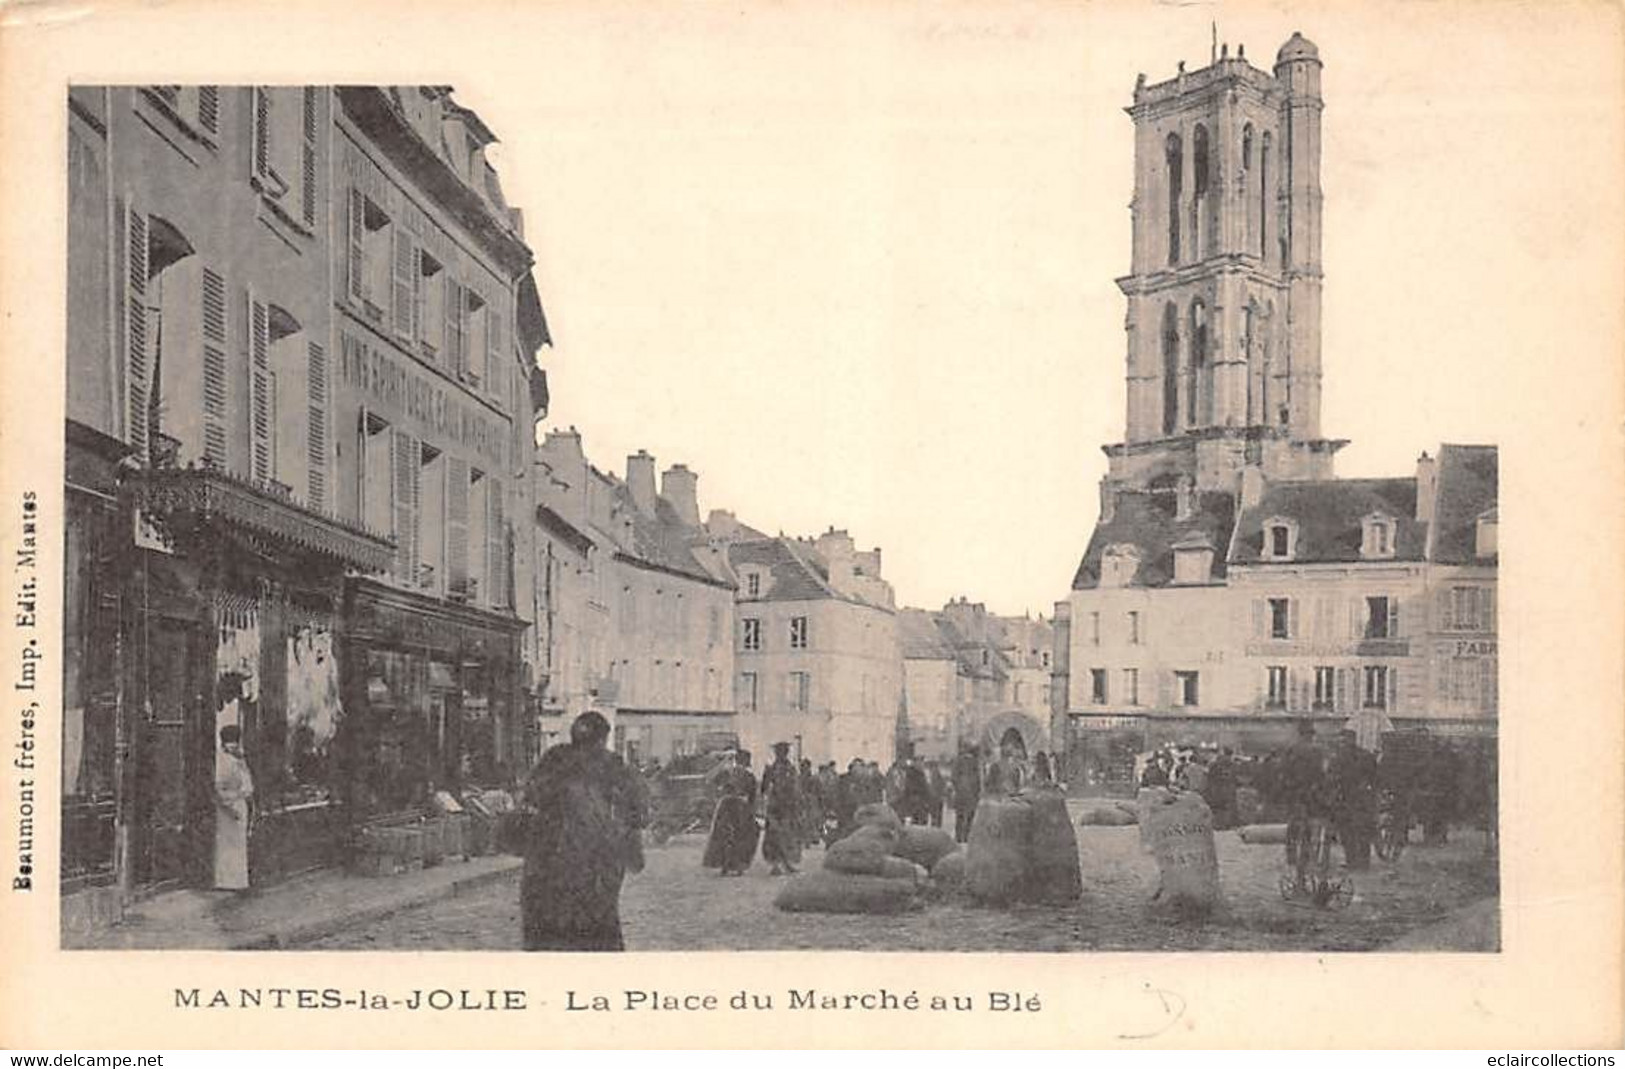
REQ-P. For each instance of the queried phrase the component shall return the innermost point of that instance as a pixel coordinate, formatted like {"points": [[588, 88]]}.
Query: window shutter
{"points": [[407, 463], [1293, 620], [494, 342], [1393, 689], [135, 329], [1357, 618], [307, 158], [1340, 689], [260, 163], [215, 336], [1487, 608], [1260, 613], [1487, 696], [259, 389], [316, 385], [1393, 617], [1443, 608], [457, 525], [1165, 689], [454, 326], [208, 108], [355, 258], [495, 541], [403, 302]]}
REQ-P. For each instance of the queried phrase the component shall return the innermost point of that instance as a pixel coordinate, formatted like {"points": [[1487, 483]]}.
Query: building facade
{"points": [[248, 440], [1233, 586], [635, 626], [818, 661]]}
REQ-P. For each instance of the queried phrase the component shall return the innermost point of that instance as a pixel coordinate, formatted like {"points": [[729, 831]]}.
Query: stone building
{"points": [[301, 365], [1233, 585], [973, 677], [634, 624], [817, 653]]}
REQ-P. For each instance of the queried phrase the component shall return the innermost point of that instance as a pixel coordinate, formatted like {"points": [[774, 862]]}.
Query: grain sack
{"points": [[996, 865], [1180, 832], [858, 854], [1054, 874], [924, 846], [1263, 834], [949, 873], [877, 814], [835, 892], [1107, 816], [897, 868]]}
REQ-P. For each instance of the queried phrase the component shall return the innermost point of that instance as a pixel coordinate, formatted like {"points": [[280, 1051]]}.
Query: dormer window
{"points": [[1485, 541], [1280, 540], [753, 584], [1118, 565], [1377, 536]]}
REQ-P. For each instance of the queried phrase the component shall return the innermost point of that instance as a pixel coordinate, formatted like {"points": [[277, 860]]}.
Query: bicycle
{"points": [[1309, 855]]}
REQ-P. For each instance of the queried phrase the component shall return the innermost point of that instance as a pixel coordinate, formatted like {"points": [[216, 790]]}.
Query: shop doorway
{"points": [[174, 762]]}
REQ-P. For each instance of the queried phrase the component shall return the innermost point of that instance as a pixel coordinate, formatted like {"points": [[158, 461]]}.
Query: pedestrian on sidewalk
{"points": [[233, 801], [585, 835]]}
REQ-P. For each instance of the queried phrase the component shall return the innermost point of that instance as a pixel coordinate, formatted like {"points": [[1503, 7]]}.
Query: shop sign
{"points": [[1105, 723], [1474, 648]]}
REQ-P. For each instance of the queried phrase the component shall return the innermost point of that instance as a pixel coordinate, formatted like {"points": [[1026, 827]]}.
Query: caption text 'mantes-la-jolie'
{"points": [[624, 1001]]}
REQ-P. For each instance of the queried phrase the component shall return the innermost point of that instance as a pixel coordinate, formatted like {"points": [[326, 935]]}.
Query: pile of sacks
{"points": [[882, 867], [1110, 814], [1023, 849]]}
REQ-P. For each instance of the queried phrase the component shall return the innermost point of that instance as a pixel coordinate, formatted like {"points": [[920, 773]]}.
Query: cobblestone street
{"points": [[677, 905]]}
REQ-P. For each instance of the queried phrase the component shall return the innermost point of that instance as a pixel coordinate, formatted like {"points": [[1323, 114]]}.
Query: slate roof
{"points": [[1468, 487], [792, 577], [1328, 514], [1146, 520], [661, 540], [921, 638]]}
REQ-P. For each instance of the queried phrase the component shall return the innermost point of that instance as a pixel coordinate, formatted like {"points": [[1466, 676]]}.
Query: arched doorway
{"points": [[1013, 744]]}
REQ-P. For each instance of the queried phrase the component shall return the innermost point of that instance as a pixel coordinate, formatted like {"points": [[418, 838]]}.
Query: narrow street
{"points": [[677, 905]]}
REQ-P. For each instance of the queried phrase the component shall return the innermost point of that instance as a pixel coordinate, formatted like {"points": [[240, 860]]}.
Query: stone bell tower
{"points": [[1223, 324]]}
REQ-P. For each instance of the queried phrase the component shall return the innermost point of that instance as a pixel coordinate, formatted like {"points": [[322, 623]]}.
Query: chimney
{"points": [[640, 480], [1252, 485], [680, 488], [1108, 500], [1427, 487]]}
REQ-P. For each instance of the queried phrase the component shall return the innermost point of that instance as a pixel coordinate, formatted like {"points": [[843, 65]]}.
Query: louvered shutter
{"points": [[1486, 603], [454, 313], [495, 335], [316, 425], [260, 161], [1260, 613], [495, 542], [403, 262], [215, 337], [137, 344], [406, 464], [1393, 689], [457, 525], [355, 253], [1393, 617], [1442, 607], [208, 108], [307, 157], [1293, 623], [1340, 689], [1356, 618], [259, 390], [1165, 689], [1487, 687]]}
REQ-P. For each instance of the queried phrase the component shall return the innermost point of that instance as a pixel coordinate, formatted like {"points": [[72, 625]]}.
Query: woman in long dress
{"points": [[734, 830], [233, 796]]}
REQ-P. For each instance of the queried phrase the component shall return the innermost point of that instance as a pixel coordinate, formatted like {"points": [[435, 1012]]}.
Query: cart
{"points": [[1310, 881]]}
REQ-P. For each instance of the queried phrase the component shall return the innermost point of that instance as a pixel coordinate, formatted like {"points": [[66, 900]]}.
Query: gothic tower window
{"points": [[1175, 155], [1264, 197], [1196, 396], [1249, 340], [1200, 236], [1246, 187], [1170, 368]]}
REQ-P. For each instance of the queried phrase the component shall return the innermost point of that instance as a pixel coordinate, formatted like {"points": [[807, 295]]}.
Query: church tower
{"points": [[1223, 323]]}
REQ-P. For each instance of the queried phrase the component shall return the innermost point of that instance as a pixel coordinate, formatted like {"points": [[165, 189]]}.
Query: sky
{"points": [[855, 267]]}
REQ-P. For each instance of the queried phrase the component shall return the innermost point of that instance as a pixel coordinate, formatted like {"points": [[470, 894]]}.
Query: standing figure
{"points": [[585, 834], [1221, 790], [733, 826], [781, 798], [811, 820], [1042, 773], [938, 786], [1302, 788], [967, 780], [233, 807], [1354, 798]]}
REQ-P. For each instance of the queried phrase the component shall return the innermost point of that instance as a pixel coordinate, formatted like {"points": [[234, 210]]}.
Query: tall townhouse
{"points": [[301, 362]]}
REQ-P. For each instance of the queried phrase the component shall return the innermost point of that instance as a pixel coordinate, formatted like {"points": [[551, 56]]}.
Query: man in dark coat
{"points": [[585, 834], [938, 786], [812, 807], [967, 780], [1221, 790], [781, 795], [1353, 776], [734, 830], [1301, 782]]}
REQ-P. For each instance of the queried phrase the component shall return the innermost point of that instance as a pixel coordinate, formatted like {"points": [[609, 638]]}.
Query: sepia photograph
{"points": [[998, 480]]}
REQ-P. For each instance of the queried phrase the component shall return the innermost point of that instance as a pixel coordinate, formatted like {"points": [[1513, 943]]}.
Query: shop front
{"points": [[433, 700], [234, 603]]}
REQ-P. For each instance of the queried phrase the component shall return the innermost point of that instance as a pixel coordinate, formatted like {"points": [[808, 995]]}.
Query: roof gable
{"points": [[1330, 517]]}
